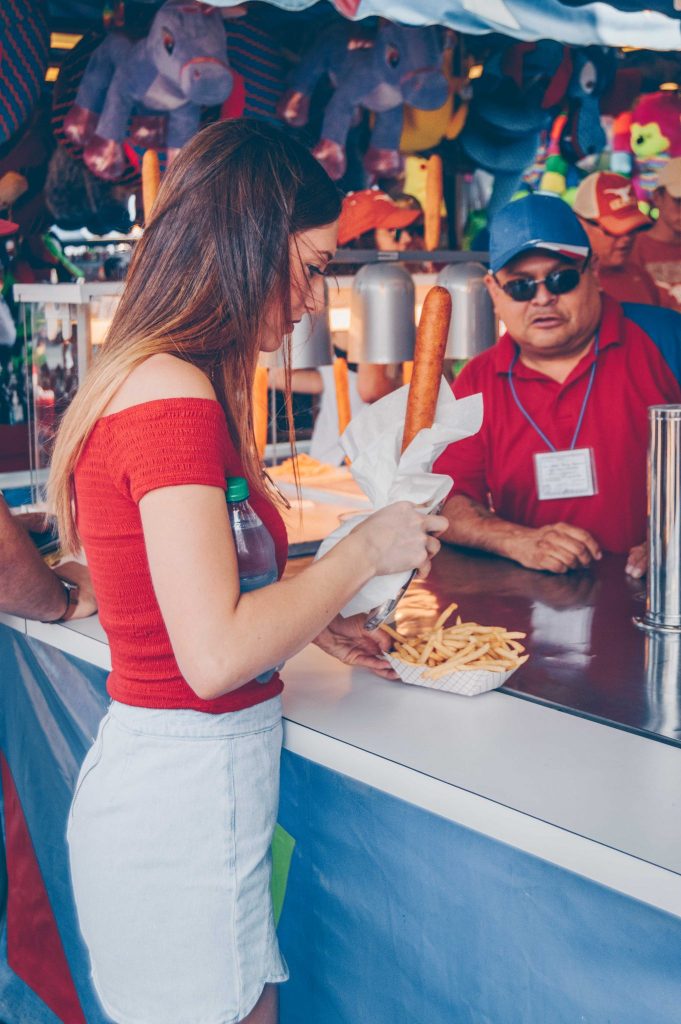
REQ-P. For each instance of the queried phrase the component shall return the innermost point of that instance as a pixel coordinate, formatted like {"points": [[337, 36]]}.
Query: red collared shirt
{"points": [[638, 365]]}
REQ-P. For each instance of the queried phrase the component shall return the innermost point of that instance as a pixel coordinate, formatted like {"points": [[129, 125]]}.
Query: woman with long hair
{"points": [[174, 809]]}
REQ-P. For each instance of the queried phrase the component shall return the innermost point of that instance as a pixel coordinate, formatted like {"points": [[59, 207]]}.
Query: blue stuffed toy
{"points": [[521, 91], [180, 67], [379, 74]]}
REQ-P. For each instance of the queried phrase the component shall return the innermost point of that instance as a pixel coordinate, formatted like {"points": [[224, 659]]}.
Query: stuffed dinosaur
{"points": [[379, 74], [178, 68]]}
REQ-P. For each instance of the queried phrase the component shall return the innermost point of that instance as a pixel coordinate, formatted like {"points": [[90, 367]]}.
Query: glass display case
{"points": [[63, 326]]}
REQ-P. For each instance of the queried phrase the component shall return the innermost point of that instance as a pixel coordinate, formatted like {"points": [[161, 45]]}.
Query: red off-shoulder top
{"points": [[156, 444]]}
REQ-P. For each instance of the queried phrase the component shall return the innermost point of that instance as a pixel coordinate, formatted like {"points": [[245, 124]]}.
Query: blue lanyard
{"points": [[529, 419]]}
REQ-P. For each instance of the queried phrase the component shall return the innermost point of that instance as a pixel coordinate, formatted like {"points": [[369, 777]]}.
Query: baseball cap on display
{"points": [[670, 177], [536, 222], [371, 209], [7, 227], [609, 200]]}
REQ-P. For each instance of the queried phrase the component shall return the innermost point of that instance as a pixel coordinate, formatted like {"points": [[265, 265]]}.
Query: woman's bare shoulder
{"points": [[158, 377]]}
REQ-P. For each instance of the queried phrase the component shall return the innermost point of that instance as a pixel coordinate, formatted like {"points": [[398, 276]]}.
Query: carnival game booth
{"points": [[509, 856]]}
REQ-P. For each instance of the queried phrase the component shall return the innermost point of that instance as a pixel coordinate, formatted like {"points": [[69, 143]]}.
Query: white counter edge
{"points": [[601, 864], [604, 865]]}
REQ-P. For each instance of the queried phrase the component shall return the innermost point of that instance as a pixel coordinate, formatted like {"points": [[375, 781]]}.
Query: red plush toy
{"points": [[646, 138]]}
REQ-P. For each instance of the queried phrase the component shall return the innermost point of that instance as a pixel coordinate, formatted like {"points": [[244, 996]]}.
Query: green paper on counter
{"points": [[282, 850]]}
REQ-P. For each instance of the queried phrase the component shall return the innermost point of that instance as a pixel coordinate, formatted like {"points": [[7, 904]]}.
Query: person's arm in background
{"points": [[304, 382], [375, 380], [28, 587], [554, 548]]}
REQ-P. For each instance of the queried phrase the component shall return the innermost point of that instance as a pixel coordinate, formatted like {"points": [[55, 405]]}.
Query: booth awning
{"points": [[655, 25]]}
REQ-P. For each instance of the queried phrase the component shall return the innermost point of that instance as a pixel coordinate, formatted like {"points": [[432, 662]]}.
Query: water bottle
{"points": [[254, 546]]}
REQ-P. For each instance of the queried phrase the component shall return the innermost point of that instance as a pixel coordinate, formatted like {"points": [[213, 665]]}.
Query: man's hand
{"points": [[80, 574], [555, 548], [347, 640], [637, 562]]}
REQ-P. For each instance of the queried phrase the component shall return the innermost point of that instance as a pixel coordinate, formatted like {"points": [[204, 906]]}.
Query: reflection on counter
{"points": [[587, 657], [663, 683]]}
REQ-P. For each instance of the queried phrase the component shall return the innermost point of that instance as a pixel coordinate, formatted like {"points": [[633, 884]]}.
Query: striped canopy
{"points": [[24, 42]]}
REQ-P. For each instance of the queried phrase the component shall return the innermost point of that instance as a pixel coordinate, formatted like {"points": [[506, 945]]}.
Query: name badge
{"points": [[567, 474]]}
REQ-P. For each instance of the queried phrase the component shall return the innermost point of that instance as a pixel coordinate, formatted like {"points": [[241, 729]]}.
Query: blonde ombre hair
{"points": [[213, 258]]}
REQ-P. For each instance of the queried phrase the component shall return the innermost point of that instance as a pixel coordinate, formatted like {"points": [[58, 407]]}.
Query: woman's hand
{"points": [[347, 640], [399, 538]]}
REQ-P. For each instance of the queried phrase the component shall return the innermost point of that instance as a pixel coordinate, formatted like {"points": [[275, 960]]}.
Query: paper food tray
{"points": [[468, 684]]}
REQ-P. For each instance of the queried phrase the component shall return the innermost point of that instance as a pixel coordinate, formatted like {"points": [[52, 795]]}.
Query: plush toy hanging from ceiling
{"points": [[178, 68], [519, 93], [578, 137], [397, 65], [24, 49], [646, 137]]}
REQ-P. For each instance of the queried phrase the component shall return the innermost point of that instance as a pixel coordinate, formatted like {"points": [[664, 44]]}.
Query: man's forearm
{"points": [[471, 525], [27, 586]]}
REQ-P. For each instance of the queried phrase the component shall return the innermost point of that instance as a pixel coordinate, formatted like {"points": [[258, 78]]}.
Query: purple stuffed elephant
{"points": [[178, 68], [400, 65]]}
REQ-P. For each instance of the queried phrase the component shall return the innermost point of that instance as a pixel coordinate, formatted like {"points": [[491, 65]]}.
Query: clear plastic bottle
{"points": [[254, 546]]}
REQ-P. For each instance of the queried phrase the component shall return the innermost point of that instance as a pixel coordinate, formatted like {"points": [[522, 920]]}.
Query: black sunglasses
{"points": [[558, 282]]}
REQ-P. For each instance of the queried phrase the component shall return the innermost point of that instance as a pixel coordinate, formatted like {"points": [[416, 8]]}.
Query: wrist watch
{"points": [[72, 591]]}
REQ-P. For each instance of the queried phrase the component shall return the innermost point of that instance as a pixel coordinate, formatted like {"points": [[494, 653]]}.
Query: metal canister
{"points": [[310, 344], [473, 326], [382, 318], [663, 588]]}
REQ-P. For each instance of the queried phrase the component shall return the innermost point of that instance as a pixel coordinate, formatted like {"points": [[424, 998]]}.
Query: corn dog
{"points": [[260, 409], [340, 375], [431, 213], [429, 354], [151, 180]]}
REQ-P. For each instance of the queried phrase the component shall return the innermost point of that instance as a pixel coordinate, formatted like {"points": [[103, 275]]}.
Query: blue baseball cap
{"points": [[536, 222]]}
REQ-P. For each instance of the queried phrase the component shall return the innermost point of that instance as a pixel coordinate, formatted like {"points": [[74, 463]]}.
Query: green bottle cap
{"points": [[237, 488]]}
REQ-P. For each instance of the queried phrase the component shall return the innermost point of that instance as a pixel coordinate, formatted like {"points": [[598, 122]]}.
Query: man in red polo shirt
{"points": [[608, 211], [557, 473]]}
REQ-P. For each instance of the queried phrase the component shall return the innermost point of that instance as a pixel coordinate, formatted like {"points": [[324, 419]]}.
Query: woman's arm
{"points": [[221, 638], [375, 381]]}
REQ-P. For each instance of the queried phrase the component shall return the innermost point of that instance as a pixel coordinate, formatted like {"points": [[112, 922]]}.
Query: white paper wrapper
{"points": [[468, 684], [372, 442]]}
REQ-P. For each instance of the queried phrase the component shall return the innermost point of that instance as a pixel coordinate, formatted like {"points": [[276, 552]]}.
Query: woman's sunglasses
{"points": [[558, 282]]}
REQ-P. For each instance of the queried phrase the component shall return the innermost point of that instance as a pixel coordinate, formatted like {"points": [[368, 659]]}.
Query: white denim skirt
{"points": [[169, 842]]}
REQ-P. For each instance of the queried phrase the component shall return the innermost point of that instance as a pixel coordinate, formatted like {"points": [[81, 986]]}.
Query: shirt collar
{"points": [[610, 333]]}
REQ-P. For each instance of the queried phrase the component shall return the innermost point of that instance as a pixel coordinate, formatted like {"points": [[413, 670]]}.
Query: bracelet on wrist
{"points": [[69, 590]]}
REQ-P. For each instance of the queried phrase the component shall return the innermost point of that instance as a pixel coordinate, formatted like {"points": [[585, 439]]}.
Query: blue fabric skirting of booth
{"points": [[391, 916]]}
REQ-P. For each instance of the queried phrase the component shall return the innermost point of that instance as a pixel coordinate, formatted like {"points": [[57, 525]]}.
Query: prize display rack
{"points": [[63, 326]]}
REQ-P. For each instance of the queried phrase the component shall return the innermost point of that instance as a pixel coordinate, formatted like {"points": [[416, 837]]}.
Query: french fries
{"points": [[308, 468], [463, 647]]}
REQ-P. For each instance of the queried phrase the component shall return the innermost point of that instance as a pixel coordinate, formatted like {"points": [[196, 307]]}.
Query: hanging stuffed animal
{"points": [[177, 69], [647, 138], [577, 137], [399, 65], [77, 199], [519, 94], [513, 102]]}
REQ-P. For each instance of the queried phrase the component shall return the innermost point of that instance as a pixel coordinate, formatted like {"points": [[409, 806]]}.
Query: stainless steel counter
{"points": [[587, 657]]}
